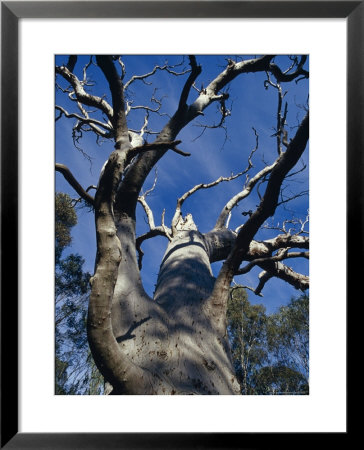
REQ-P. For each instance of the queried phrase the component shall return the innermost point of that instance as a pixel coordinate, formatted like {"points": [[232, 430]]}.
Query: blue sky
{"points": [[251, 106]]}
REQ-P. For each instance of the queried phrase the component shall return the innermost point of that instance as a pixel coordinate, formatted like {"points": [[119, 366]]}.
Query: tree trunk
{"points": [[174, 337]]}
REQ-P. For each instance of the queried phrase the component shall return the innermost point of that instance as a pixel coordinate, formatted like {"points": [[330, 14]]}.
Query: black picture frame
{"points": [[11, 12]]}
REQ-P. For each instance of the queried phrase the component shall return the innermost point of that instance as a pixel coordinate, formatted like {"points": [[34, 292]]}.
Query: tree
{"points": [[270, 351], [75, 370], [65, 219], [288, 337], [279, 380], [176, 342], [247, 330]]}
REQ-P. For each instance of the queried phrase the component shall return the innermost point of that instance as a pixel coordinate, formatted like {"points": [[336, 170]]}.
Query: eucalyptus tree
{"points": [[175, 341], [75, 371], [270, 351], [288, 336], [247, 329]]}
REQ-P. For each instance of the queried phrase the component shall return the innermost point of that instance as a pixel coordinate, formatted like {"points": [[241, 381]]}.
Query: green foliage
{"points": [[75, 369], [247, 336], [270, 352], [278, 379], [70, 279], [65, 219], [288, 335], [61, 376]]}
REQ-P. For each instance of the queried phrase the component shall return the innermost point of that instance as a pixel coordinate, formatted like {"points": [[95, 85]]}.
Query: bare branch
{"points": [[162, 230], [285, 77], [153, 230], [294, 63], [283, 254], [285, 273], [64, 170], [195, 72], [167, 232], [252, 289], [81, 95], [224, 112], [266, 208], [148, 109], [148, 212], [161, 146], [144, 126], [187, 194], [147, 209], [85, 82], [220, 223], [281, 133], [166, 67], [293, 197], [226, 211], [138, 173], [118, 119], [122, 65], [83, 120], [287, 240], [156, 231], [263, 278], [292, 174], [293, 230]]}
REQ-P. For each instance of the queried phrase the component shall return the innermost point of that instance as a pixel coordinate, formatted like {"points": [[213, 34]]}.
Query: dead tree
{"points": [[176, 342]]}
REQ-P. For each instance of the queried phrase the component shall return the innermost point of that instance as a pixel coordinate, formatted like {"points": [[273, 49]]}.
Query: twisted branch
{"points": [[65, 171], [81, 95]]}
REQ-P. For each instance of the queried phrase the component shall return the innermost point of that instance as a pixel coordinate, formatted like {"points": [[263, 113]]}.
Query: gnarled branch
{"points": [[155, 231], [81, 95], [279, 257], [285, 273], [137, 175], [118, 119], [65, 171], [184, 197], [84, 120], [266, 208], [284, 77], [220, 223]]}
